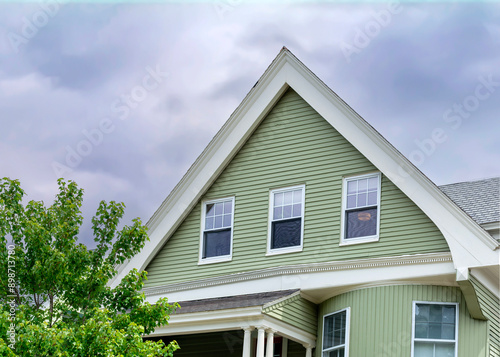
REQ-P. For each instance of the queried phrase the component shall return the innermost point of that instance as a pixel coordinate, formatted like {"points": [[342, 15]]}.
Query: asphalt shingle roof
{"points": [[479, 199], [232, 302]]}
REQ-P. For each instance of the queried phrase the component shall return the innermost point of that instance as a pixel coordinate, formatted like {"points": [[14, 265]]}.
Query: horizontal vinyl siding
{"points": [[490, 305], [381, 320], [294, 145], [297, 312]]}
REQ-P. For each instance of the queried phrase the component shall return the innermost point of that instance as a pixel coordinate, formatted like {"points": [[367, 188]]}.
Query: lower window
{"points": [[435, 329], [336, 334]]}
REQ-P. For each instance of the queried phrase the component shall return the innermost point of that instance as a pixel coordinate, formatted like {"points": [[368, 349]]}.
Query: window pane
{"points": [[351, 201], [422, 312], [435, 330], [287, 211], [372, 183], [228, 207], [445, 350], [278, 213], [372, 198], [297, 212], [218, 207], [448, 331], [288, 198], [352, 187], [362, 198], [362, 185], [217, 243], [297, 196], [424, 349], [361, 223], [421, 330], [435, 313], [218, 222], [210, 210], [336, 353], [278, 199], [449, 314], [209, 222], [227, 220], [285, 233]]}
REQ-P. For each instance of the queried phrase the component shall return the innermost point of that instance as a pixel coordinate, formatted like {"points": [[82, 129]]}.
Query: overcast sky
{"points": [[122, 98]]}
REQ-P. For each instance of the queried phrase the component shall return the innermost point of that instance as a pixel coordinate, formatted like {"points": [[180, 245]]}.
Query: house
{"points": [[301, 231]]}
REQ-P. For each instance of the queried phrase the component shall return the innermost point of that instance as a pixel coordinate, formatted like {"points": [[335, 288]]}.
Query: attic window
{"points": [[286, 220], [217, 230], [361, 207]]}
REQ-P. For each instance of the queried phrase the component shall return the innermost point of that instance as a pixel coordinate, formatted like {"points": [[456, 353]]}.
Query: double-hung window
{"points": [[361, 208], [435, 329], [217, 230], [336, 334], [286, 223]]}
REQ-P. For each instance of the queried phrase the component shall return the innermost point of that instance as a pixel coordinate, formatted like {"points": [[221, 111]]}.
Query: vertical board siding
{"points": [[490, 305], [381, 320], [294, 145], [297, 312]]}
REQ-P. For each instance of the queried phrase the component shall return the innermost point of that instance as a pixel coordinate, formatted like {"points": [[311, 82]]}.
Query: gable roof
{"points": [[470, 245], [479, 199]]}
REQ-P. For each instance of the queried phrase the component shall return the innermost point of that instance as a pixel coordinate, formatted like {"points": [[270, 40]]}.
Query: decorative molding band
{"points": [[303, 269]]}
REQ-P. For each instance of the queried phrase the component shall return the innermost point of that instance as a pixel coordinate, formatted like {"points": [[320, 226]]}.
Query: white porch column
{"points": [[270, 343], [308, 350], [261, 334], [247, 340]]}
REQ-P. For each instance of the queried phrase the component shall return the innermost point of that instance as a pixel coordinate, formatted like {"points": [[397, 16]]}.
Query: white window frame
{"points": [[221, 258], [455, 341], [296, 248], [343, 223], [347, 331]]}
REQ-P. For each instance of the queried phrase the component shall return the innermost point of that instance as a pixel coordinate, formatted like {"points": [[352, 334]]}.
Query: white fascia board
{"points": [[319, 280], [489, 277], [228, 320]]}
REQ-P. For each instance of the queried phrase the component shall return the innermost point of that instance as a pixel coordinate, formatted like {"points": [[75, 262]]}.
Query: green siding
{"points": [[294, 145], [297, 312], [381, 320], [490, 305]]}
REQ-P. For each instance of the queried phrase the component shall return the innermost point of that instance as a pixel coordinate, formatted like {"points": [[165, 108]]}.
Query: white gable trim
{"points": [[470, 245]]}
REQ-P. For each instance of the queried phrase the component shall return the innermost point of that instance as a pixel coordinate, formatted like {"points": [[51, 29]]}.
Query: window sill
{"points": [[361, 240], [284, 250], [225, 258]]}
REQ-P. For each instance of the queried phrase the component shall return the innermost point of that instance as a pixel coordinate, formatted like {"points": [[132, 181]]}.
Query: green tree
{"points": [[55, 293]]}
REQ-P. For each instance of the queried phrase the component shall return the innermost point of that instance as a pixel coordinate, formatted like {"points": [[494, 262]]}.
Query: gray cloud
{"points": [[65, 79]]}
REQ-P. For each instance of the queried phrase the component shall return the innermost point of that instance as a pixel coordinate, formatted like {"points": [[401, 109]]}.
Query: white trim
{"points": [[366, 239], [319, 281], [295, 248], [221, 258], [455, 341], [347, 331], [471, 245], [230, 319]]}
